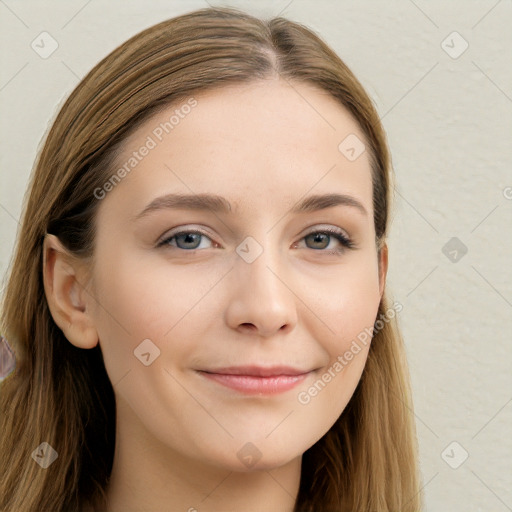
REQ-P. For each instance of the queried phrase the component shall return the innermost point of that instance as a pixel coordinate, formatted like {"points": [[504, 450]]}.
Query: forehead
{"points": [[260, 142]]}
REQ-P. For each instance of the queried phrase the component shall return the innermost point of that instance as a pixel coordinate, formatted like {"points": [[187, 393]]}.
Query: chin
{"points": [[248, 457]]}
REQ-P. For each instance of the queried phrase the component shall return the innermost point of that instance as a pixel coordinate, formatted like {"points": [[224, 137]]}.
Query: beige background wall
{"points": [[447, 110]]}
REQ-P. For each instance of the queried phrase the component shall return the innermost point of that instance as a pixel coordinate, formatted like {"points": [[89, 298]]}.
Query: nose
{"points": [[261, 301]]}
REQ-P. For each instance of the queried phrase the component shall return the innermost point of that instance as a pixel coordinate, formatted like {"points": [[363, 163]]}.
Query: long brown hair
{"points": [[61, 394]]}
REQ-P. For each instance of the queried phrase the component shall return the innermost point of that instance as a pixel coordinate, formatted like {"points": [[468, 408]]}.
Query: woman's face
{"points": [[259, 292]]}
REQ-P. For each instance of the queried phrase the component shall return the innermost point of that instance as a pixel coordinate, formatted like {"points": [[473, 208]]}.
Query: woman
{"points": [[197, 303]]}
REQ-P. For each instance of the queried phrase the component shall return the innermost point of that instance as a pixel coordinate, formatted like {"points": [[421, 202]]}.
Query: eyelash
{"points": [[344, 241]]}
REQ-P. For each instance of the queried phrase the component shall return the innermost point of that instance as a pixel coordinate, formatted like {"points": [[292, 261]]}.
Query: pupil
{"points": [[318, 237], [188, 238]]}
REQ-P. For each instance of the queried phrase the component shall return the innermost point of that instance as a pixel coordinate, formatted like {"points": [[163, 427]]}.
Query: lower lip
{"points": [[251, 384]]}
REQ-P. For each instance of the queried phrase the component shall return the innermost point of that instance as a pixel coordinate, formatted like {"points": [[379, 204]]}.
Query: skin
{"points": [[263, 146]]}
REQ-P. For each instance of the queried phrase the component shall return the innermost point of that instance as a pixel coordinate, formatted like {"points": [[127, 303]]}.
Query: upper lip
{"points": [[257, 371]]}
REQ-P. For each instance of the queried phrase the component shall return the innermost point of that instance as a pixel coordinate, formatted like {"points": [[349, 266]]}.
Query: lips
{"points": [[257, 379]]}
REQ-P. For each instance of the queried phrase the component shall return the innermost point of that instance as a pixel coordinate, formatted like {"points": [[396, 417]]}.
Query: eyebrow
{"points": [[220, 204]]}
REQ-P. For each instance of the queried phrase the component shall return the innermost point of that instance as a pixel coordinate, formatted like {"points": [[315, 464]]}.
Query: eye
{"points": [[191, 240], [186, 240], [321, 239]]}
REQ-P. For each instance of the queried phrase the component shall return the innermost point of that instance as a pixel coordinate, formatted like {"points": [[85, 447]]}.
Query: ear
{"points": [[66, 295], [383, 267]]}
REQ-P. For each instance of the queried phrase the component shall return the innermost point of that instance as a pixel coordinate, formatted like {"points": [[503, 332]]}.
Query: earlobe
{"points": [[66, 294]]}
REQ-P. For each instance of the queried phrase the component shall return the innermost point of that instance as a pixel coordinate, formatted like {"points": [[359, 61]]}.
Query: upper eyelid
{"points": [[180, 230]]}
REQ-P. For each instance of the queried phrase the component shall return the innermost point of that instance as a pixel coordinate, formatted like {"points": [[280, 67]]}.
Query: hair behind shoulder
{"points": [[62, 395]]}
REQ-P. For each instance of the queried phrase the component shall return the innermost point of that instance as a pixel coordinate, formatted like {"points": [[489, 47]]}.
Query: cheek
{"points": [[347, 306], [139, 300], [344, 301]]}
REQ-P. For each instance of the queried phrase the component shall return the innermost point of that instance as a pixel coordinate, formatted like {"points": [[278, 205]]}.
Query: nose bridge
{"points": [[260, 259], [260, 296]]}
